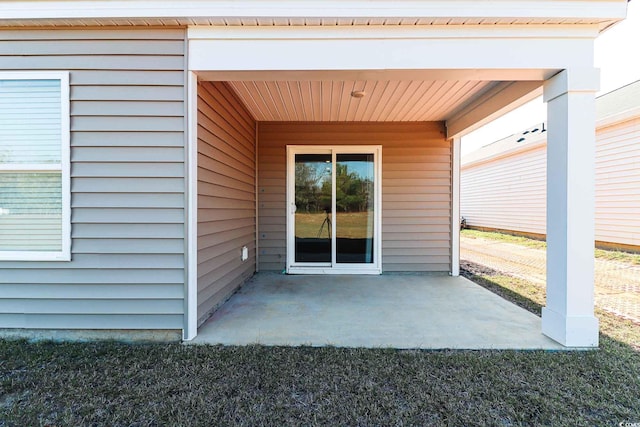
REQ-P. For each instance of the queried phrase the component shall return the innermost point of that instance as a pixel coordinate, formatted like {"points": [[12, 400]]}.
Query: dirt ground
{"points": [[617, 284]]}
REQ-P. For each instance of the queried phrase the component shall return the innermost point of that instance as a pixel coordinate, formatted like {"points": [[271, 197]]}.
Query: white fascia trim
{"points": [[199, 32], [43, 9], [622, 116], [532, 146]]}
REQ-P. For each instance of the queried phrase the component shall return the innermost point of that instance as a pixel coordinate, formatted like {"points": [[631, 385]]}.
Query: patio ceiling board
{"points": [[385, 100]]}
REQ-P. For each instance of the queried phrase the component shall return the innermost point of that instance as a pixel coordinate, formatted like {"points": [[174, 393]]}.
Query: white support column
{"points": [[455, 207], [568, 316]]}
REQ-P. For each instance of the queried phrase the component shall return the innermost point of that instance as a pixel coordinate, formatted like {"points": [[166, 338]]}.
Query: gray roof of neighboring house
{"points": [[618, 101], [529, 136], [621, 102]]}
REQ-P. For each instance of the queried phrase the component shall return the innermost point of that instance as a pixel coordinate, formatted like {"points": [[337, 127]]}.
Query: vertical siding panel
{"points": [[127, 183], [416, 188], [226, 195]]}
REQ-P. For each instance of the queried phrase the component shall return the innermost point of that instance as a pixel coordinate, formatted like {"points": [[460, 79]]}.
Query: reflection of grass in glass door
{"points": [[308, 225], [354, 225]]}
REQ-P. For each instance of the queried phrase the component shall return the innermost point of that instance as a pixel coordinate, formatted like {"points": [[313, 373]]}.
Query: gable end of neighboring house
{"points": [[504, 183]]}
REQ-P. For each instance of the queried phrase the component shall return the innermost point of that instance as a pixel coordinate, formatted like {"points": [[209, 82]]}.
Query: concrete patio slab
{"points": [[392, 310]]}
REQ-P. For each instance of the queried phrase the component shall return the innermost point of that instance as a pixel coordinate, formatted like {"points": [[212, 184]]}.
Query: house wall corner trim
{"points": [[191, 295], [455, 207]]}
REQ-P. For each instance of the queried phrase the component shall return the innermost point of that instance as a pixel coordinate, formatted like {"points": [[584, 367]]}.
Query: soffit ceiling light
{"points": [[358, 94]]}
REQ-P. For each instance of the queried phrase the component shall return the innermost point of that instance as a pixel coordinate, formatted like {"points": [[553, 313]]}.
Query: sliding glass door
{"points": [[312, 217], [333, 223], [355, 211]]}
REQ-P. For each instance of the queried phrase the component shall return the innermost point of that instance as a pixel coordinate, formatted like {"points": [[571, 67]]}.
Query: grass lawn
{"points": [[117, 384], [612, 255], [111, 384]]}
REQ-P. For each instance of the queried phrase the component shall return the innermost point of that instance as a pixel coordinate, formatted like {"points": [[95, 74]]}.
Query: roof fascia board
{"points": [[393, 32], [524, 148], [621, 116], [296, 49], [599, 10]]}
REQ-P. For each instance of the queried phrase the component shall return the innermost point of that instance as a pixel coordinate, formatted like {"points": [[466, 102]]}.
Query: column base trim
{"points": [[570, 331]]}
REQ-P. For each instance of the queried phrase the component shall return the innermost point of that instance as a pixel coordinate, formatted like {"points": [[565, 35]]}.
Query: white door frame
{"points": [[334, 267]]}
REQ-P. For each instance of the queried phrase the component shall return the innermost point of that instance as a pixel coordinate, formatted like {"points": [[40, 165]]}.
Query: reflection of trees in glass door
{"points": [[354, 208], [313, 183], [333, 219]]}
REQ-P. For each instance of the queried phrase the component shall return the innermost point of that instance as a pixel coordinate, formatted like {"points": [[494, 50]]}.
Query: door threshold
{"points": [[326, 271]]}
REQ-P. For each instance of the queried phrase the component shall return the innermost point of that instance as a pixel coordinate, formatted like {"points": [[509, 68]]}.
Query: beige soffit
{"points": [[387, 101], [252, 22]]}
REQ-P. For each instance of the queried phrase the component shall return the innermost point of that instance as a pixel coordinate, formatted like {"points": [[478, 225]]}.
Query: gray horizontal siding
{"points": [[66, 291], [90, 321], [127, 183], [226, 195], [416, 188]]}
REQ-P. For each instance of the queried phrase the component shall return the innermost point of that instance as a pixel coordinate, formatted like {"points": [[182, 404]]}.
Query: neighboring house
{"points": [[154, 153], [503, 184]]}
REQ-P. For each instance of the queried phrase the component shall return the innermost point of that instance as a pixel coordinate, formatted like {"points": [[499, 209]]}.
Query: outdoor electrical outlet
{"points": [[245, 253]]}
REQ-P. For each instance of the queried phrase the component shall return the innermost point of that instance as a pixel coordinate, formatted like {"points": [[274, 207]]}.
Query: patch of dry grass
{"points": [[612, 255], [503, 237], [532, 296], [620, 256]]}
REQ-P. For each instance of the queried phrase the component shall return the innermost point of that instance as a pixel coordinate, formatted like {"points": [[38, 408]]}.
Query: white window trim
{"points": [[65, 166], [293, 267]]}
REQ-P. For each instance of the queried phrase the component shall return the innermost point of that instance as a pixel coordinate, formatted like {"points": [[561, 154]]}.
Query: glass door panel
{"points": [[354, 205], [313, 219]]}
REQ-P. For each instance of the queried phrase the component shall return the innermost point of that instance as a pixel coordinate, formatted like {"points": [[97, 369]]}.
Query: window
{"points": [[35, 208]]}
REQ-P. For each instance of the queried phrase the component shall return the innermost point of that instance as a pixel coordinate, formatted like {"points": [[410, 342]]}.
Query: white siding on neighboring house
{"points": [[503, 185], [509, 193], [618, 183], [127, 183]]}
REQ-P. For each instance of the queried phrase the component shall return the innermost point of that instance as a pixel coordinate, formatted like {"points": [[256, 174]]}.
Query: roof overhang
{"points": [[501, 51], [273, 66], [602, 13]]}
